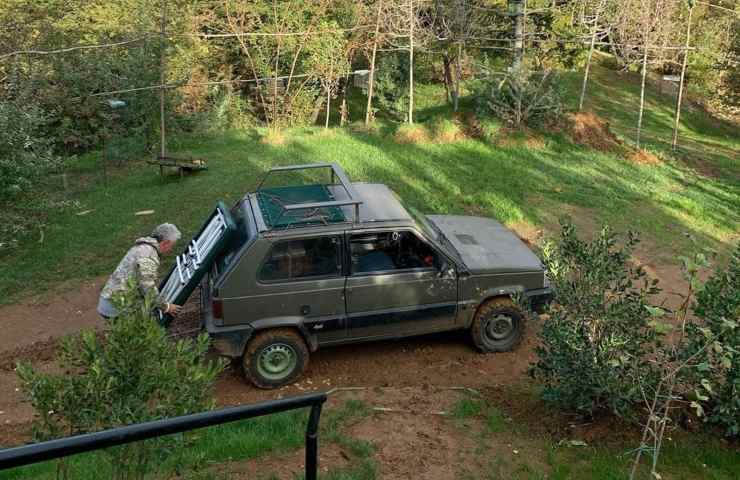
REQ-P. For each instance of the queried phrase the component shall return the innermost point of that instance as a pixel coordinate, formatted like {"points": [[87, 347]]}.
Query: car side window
{"points": [[390, 251], [304, 258]]}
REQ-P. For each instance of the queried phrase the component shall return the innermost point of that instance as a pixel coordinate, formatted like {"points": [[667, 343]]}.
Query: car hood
{"points": [[485, 245]]}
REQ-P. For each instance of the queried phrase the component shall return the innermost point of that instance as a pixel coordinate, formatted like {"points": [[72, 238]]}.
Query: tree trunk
{"points": [[447, 64], [683, 76], [458, 75], [642, 93], [590, 55], [162, 80], [328, 93], [371, 77], [411, 61], [318, 103], [617, 56], [328, 104], [343, 111], [518, 34], [275, 88]]}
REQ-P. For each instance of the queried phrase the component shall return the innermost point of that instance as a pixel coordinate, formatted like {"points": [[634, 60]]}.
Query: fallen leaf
{"points": [[144, 212], [84, 212]]}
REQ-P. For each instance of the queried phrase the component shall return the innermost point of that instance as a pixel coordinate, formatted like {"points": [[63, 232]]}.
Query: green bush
{"points": [[446, 130], [391, 86], [599, 332], [133, 374], [715, 341], [25, 152], [521, 98]]}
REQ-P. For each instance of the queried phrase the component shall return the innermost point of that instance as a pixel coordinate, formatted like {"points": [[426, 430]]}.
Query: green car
{"points": [[335, 262]]}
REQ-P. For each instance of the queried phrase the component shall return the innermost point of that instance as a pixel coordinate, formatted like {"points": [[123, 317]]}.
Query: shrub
{"points": [[599, 332], [411, 133], [446, 131], [522, 98], [273, 136], [133, 374], [231, 110], [715, 341], [391, 86], [25, 152]]}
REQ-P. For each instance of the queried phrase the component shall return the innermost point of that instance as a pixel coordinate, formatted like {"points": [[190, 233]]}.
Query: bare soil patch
{"points": [[588, 129], [643, 157], [37, 319], [471, 126]]}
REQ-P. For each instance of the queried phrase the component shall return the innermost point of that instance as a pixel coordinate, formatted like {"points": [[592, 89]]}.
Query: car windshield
{"points": [[421, 220]]}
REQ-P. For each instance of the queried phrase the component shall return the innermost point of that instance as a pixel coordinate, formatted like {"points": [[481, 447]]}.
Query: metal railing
{"points": [[64, 447]]}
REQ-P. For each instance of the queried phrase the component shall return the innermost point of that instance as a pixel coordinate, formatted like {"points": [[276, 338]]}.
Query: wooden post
{"points": [[642, 93], [518, 15], [343, 110], [162, 80], [683, 76], [328, 93], [412, 19], [371, 76], [458, 71], [594, 30], [104, 159]]}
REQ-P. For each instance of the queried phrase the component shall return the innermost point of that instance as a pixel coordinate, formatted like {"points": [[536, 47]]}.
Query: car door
{"points": [[303, 278], [397, 284]]}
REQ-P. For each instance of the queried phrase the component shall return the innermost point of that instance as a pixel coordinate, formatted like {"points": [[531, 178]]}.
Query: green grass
{"points": [[694, 457], [511, 183], [234, 442], [616, 98], [215, 445]]}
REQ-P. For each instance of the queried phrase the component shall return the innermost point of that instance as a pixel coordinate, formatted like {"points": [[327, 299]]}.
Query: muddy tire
{"points": [[274, 358], [498, 326]]}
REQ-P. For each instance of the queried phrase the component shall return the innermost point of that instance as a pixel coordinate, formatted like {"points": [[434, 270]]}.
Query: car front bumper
{"points": [[539, 298]]}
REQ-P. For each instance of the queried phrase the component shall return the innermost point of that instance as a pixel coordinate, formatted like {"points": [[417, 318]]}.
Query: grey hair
{"points": [[166, 231]]}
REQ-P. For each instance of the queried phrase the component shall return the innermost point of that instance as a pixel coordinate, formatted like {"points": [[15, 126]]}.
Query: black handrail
{"points": [[63, 447]]}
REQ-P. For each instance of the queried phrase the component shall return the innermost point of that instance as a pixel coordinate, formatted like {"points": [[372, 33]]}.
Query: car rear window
{"points": [[240, 216], [301, 259]]}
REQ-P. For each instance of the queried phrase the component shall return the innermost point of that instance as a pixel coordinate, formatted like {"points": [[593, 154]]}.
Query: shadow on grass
{"points": [[511, 183]]}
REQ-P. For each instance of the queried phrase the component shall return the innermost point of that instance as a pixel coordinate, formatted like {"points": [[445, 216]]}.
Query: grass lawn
{"points": [[512, 183], [516, 448]]}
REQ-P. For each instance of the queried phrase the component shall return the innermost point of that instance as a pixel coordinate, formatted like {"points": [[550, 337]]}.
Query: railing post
{"points": [[312, 442]]}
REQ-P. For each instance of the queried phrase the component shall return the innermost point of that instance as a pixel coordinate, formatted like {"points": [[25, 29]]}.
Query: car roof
{"points": [[379, 206], [316, 204]]}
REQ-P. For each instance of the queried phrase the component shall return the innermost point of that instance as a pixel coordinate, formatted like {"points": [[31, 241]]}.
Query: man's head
{"points": [[167, 235]]}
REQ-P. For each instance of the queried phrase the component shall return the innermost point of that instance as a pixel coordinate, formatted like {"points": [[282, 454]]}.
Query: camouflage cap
{"points": [[166, 231]]}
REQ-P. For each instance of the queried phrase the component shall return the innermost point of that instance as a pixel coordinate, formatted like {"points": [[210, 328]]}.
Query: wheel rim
{"points": [[277, 361], [499, 327]]}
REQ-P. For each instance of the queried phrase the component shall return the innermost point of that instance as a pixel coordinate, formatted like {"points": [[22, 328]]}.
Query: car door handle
{"points": [[305, 309]]}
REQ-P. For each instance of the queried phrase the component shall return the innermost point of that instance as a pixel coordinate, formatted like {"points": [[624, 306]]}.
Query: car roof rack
{"points": [[337, 173]]}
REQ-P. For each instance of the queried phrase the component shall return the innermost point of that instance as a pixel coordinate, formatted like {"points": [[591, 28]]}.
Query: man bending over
{"points": [[141, 263]]}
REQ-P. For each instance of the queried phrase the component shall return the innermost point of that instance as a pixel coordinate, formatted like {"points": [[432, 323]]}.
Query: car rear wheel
{"points": [[498, 325], [274, 358]]}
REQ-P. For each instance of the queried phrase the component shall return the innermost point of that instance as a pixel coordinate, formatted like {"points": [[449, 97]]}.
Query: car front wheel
{"points": [[274, 358], [498, 325]]}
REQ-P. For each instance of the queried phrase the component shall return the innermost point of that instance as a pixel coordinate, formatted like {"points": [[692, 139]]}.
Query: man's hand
{"points": [[173, 309]]}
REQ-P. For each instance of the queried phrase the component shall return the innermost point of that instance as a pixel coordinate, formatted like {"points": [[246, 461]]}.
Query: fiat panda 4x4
{"points": [[291, 269]]}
